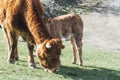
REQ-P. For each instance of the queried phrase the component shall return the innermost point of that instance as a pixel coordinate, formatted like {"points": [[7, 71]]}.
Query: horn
{"points": [[48, 45]]}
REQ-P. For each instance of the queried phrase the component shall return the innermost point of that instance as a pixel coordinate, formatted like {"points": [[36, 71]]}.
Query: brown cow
{"points": [[24, 18], [65, 26]]}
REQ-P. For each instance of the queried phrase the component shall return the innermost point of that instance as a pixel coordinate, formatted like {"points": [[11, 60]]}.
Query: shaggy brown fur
{"points": [[65, 26], [24, 18]]}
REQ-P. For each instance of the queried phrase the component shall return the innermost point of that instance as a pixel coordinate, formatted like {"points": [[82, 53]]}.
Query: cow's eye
{"points": [[48, 50]]}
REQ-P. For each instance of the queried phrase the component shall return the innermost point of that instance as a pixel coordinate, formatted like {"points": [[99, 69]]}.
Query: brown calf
{"points": [[68, 26]]}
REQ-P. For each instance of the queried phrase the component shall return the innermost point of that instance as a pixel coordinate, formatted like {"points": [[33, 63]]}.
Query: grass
{"points": [[98, 65]]}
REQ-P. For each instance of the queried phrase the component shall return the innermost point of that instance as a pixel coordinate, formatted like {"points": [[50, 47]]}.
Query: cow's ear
{"points": [[48, 45], [63, 47]]}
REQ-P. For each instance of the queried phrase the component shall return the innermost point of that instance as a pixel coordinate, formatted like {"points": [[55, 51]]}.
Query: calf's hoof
{"points": [[80, 64], [73, 62]]}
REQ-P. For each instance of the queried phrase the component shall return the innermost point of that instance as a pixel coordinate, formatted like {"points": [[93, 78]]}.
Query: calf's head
{"points": [[49, 54]]}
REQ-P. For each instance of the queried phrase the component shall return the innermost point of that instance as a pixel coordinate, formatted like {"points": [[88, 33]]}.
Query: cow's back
{"points": [[2, 11]]}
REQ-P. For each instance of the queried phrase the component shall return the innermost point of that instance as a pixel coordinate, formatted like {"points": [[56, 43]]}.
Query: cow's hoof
{"points": [[17, 59], [57, 70], [11, 61], [46, 70], [32, 66]]}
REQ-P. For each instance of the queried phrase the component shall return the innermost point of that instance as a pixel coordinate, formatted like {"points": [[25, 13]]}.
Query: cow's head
{"points": [[49, 54]]}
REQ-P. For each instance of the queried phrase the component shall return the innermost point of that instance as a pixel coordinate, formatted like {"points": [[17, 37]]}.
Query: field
{"points": [[98, 65]]}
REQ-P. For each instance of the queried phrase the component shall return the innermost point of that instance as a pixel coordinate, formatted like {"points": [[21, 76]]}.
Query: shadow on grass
{"points": [[23, 63], [89, 73], [85, 72]]}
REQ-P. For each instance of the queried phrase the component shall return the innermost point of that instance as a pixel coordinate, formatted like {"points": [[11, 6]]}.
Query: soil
{"points": [[102, 30]]}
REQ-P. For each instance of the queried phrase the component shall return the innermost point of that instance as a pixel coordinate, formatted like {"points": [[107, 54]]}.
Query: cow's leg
{"points": [[31, 62], [11, 38], [12, 56], [16, 54], [74, 49]]}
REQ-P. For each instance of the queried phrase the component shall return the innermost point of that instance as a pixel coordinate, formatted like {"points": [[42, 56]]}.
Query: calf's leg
{"points": [[79, 47], [74, 49]]}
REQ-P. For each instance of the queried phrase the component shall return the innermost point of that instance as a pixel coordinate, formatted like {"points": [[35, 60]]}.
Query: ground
{"points": [[102, 30]]}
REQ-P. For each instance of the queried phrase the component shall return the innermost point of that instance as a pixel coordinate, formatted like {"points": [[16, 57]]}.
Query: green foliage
{"points": [[98, 65]]}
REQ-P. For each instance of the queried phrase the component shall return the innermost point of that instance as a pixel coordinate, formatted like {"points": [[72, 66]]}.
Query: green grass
{"points": [[98, 65]]}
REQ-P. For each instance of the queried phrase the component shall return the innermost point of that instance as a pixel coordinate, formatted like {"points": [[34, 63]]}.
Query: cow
{"points": [[24, 18], [68, 26]]}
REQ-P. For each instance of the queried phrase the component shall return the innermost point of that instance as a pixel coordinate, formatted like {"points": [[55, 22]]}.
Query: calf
{"points": [[68, 26]]}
